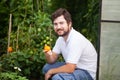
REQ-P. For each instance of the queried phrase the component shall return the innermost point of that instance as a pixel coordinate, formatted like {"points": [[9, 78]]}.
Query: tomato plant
{"points": [[27, 41]]}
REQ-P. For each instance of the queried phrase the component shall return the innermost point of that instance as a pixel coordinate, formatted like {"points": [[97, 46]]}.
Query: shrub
{"points": [[11, 76], [27, 42], [24, 64]]}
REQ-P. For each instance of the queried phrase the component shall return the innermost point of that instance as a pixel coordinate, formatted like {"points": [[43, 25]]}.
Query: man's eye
{"points": [[61, 22], [55, 24]]}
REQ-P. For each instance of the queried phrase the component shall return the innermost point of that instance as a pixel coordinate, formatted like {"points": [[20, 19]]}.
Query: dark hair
{"points": [[59, 12]]}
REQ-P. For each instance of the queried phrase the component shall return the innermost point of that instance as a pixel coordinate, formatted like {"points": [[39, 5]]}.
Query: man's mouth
{"points": [[59, 30]]}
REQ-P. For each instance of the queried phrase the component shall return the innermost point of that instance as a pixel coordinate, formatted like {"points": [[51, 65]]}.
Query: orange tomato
{"points": [[47, 48], [10, 49]]}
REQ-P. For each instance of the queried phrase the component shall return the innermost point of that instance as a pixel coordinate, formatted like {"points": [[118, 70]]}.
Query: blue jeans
{"points": [[78, 74]]}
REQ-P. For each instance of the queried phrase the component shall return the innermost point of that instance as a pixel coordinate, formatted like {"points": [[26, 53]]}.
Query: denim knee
{"points": [[56, 77], [82, 75], [50, 66], [63, 76], [45, 68]]}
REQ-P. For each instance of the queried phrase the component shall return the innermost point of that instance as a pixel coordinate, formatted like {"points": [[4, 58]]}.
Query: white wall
{"points": [[109, 68]]}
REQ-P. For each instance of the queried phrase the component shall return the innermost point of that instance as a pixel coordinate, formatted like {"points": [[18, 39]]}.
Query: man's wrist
{"points": [[51, 71], [49, 52]]}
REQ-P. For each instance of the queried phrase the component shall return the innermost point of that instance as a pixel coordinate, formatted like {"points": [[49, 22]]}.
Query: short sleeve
{"points": [[56, 48]]}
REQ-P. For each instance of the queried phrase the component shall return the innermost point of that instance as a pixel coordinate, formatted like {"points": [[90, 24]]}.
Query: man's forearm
{"points": [[51, 58], [68, 68]]}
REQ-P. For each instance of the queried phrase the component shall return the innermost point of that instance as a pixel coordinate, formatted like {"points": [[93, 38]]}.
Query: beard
{"points": [[64, 33]]}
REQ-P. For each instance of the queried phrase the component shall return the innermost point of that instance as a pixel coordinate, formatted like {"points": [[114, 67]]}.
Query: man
{"points": [[79, 54]]}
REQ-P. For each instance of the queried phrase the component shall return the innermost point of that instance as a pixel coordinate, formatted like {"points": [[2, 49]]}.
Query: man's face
{"points": [[61, 26]]}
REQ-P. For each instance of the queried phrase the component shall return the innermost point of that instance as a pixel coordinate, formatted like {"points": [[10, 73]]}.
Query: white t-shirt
{"points": [[77, 50]]}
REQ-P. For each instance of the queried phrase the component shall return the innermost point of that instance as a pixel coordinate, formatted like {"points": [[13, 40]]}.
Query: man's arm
{"points": [[68, 68], [51, 57]]}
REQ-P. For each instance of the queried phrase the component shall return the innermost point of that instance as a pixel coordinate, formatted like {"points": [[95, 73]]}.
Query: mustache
{"points": [[59, 29]]}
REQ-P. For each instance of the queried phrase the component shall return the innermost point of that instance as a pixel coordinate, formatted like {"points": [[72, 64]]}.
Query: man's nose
{"points": [[58, 26]]}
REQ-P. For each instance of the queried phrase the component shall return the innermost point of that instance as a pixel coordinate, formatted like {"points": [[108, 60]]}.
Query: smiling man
{"points": [[79, 54]]}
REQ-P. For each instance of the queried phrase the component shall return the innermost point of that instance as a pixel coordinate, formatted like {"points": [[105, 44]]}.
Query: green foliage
{"points": [[33, 33], [27, 42], [15, 8], [11, 76], [3, 19], [31, 30], [25, 64], [3, 45]]}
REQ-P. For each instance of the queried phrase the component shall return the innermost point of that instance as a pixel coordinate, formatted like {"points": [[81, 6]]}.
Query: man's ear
{"points": [[70, 24]]}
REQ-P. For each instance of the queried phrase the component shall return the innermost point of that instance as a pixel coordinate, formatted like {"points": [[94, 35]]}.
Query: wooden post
{"points": [[17, 38], [10, 26]]}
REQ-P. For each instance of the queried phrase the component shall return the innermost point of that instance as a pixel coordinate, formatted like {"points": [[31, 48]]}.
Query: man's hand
{"points": [[48, 75], [47, 48]]}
